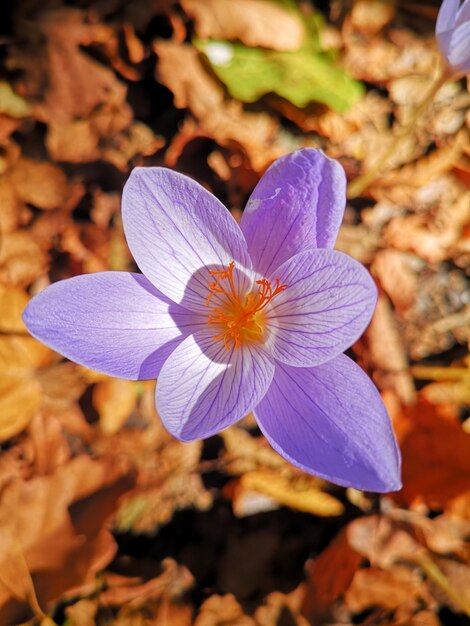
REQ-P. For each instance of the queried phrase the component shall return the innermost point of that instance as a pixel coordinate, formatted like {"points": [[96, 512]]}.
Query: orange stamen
{"points": [[239, 320]]}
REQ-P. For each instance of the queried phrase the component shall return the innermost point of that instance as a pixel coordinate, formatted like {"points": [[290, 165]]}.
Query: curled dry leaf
{"points": [[167, 471], [382, 349], [382, 541], [30, 379], [225, 610], [180, 68], [20, 357], [22, 260], [76, 84], [254, 22], [436, 463], [279, 607], [44, 185], [398, 588], [304, 493], [329, 576], [114, 399], [174, 581], [84, 493]]}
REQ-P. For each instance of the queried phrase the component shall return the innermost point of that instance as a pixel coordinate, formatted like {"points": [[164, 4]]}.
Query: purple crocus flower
{"points": [[238, 318], [453, 36]]}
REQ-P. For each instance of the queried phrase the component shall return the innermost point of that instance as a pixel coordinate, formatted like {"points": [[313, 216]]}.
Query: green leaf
{"points": [[302, 76]]}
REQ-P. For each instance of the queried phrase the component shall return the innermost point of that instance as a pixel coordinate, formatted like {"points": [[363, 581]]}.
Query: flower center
{"points": [[241, 319]]}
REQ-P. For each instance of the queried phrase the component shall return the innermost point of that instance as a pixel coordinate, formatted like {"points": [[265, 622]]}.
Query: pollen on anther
{"points": [[240, 316]]}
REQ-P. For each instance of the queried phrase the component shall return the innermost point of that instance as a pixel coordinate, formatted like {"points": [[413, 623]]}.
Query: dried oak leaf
{"points": [[371, 17], [300, 492], [267, 481], [42, 184], [171, 585], [458, 575], [414, 183], [382, 541], [168, 477], [222, 611], [114, 399], [436, 463], [10, 213], [256, 23], [279, 608], [181, 69], [377, 59], [398, 275], [382, 349], [20, 389], [432, 317], [22, 260], [75, 83], [108, 134], [58, 525], [329, 576], [30, 379], [397, 588], [82, 613]]}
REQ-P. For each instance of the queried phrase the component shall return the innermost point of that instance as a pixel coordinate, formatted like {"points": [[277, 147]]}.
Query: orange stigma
{"points": [[240, 318]]}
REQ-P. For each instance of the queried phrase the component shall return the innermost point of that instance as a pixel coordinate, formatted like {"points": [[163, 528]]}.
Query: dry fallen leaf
{"points": [[300, 492], [218, 610], [436, 463], [254, 22], [398, 588], [180, 68], [114, 399], [329, 576], [39, 183], [84, 493]]}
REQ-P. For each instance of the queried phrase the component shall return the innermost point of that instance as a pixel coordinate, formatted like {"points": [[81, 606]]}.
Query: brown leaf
{"points": [[114, 399], [329, 577], [390, 590], [303, 493], [222, 611], [82, 613], [181, 70], [254, 22], [10, 213], [431, 235], [12, 303], [76, 84], [280, 607], [168, 477], [382, 348], [21, 259], [58, 519], [436, 463], [39, 183], [398, 276], [382, 541], [172, 583]]}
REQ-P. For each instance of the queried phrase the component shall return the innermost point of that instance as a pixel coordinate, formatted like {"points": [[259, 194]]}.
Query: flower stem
{"points": [[357, 186]]}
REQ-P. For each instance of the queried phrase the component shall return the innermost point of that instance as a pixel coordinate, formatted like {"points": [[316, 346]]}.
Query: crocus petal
{"points": [[446, 17], [176, 230], [113, 322], [459, 48], [298, 204], [463, 14], [204, 388], [328, 302], [330, 421]]}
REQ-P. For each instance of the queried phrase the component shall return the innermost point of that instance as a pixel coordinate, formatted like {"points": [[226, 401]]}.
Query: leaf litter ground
{"points": [[104, 518]]}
